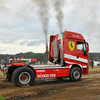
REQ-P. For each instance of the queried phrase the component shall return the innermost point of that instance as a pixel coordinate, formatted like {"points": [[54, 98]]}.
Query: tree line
{"points": [[42, 56], [95, 56]]}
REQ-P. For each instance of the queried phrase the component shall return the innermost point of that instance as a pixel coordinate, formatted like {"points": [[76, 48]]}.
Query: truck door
{"points": [[81, 52], [70, 50]]}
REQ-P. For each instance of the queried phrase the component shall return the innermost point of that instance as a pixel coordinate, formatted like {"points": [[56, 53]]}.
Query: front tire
{"points": [[75, 74], [23, 76]]}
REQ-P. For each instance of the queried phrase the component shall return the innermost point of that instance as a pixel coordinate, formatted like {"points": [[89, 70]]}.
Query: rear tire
{"points": [[75, 74], [23, 76]]}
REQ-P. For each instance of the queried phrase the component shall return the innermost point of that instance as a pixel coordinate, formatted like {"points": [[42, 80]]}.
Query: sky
{"points": [[25, 24]]}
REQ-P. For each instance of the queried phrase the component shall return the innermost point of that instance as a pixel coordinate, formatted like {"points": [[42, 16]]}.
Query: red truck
{"points": [[68, 57]]}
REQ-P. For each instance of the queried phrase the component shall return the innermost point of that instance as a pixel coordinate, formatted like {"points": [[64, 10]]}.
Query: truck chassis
{"points": [[21, 74]]}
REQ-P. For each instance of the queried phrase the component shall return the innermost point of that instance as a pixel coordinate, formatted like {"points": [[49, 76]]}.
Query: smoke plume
{"points": [[2, 6], [43, 14], [58, 4]]}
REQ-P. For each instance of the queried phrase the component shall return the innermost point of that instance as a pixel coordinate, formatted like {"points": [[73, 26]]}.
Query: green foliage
{"points": [[1, 97], [95, 56]]}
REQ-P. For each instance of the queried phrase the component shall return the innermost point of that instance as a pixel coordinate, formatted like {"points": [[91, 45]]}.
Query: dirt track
{"points": [[52, 89]]}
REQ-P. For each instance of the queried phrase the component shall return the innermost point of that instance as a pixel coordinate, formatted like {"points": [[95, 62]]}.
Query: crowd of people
{"points": [[21, 61], [17, 61]]}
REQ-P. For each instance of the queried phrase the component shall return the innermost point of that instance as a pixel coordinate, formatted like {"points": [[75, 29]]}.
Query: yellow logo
{"points": [[71, 45]]}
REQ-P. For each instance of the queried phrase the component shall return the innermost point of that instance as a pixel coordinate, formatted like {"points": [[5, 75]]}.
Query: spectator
{"points": [[92, 63], [2, 62], [20, 61], [38, 62], [29, 63], [14, 61], [42, 63]]}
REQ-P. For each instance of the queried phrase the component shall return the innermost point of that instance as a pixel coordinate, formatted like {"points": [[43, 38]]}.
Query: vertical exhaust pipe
{"points": [[46, 50], [61, 46]]}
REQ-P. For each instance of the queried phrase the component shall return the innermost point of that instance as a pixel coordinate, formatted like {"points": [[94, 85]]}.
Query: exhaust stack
{"points": [[61, 46], [46, 51]]}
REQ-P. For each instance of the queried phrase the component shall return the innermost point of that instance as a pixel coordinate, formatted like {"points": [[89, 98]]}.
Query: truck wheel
{"points": [[23, 76], [75, 74]]}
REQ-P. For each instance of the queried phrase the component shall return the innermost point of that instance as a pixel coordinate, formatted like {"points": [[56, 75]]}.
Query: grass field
{"points": [[95, 68], [1, 74]]}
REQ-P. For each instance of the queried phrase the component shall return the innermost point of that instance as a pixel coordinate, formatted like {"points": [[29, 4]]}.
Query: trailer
{"points": [[68, 55]]}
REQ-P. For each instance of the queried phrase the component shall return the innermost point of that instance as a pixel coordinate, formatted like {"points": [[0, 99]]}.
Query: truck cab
{"points": [[75, 50]]}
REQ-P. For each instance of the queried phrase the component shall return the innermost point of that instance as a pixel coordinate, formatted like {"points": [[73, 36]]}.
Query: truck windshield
{"points": [[81, 46]]}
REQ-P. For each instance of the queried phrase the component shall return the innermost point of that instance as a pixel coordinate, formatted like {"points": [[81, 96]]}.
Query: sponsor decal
{"points": [[56, 70], [75, 36], [46, 75], [71, 45], [40, 70]]}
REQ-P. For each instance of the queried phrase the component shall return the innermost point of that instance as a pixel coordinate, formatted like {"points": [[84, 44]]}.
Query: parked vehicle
{"points": [[98, 64]]}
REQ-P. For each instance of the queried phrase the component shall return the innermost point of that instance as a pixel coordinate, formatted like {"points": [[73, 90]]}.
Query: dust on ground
{"points": [[88, 88]]}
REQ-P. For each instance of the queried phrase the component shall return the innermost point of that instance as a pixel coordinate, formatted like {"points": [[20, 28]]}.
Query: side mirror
{"points": [[87, 47]]}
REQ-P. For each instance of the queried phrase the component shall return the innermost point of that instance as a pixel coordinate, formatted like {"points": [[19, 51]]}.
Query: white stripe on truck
{"points": [[75, 58]]}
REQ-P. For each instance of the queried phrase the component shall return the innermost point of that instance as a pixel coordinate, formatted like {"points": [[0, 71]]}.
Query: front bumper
{"points": [[85, 70]]}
